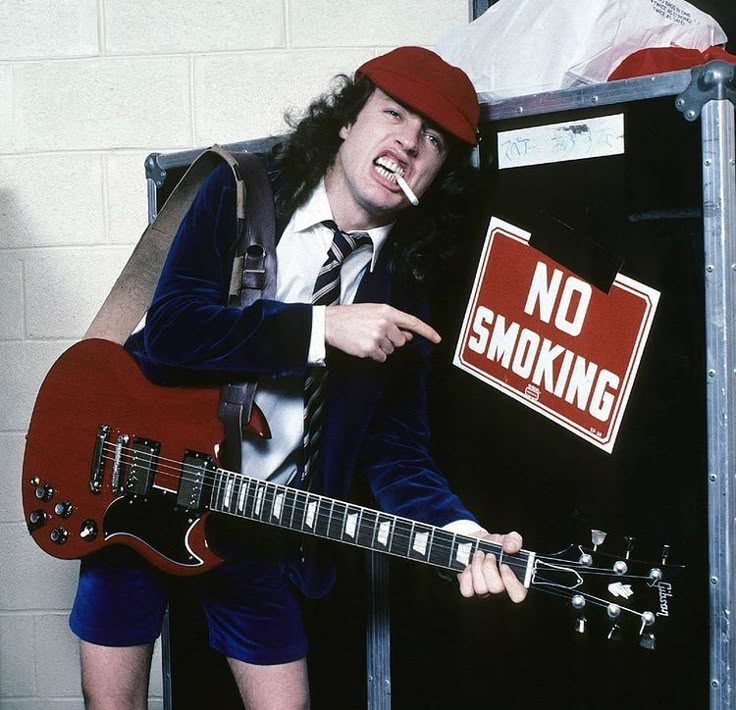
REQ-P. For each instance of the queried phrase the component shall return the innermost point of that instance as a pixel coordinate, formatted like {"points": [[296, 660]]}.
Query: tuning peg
{"points": [[585, 559], [620, 567], [597, 536], [665, 554], [647, 640], [614, 633], [630, 543], [578, 603], [655, 575]]}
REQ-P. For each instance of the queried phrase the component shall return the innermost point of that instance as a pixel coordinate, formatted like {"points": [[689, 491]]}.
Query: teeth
{"points": [[388, 168], [385, 173]]}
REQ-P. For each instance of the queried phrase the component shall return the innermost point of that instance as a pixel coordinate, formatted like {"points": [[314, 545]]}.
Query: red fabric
{"points": [[430, 86], [656, 60]]}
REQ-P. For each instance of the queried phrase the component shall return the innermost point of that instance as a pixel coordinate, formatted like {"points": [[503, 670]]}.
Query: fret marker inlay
{"points": [[278, 505], [384, 529], [241, 496], [259, 500], [228, 492], [420, 543], [463, 552], [351, 523], [311, 512]]}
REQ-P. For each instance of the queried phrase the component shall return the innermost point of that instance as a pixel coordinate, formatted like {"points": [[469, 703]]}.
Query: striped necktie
{"points": [[326, 293]]}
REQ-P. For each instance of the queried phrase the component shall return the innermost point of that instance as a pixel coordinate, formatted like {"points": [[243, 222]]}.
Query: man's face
{"points": [[386, 138]]}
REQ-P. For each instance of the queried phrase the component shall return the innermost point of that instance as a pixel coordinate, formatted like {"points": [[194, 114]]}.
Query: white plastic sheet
{"points": [[526, 46]]}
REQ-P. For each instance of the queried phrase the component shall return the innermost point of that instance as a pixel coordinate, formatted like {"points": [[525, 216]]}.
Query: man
{"points": [[407, 116]]}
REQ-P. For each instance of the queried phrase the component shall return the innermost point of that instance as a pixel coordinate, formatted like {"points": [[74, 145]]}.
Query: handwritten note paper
{"points": [[557, 142]]}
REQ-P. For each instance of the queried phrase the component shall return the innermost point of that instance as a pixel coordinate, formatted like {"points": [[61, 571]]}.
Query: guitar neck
{"points": [[293, 509]]}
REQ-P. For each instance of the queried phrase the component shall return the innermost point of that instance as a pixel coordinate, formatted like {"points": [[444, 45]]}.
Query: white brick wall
{"points": [[87, 89]]}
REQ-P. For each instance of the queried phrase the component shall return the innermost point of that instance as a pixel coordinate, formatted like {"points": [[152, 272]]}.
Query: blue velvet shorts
{"points": [[252, 610]]}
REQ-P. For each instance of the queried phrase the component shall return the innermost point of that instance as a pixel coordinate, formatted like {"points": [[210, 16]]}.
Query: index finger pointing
{"points": [[406, 321]]}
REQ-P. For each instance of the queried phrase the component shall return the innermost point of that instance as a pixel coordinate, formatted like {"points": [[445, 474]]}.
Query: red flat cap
{"points": [[426, 83]]}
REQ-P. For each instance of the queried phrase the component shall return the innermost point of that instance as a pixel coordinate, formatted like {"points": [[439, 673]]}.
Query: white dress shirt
{"points": [[300, 253]]}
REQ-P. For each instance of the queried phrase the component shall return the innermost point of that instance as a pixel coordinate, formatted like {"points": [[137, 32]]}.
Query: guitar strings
{"points": [[141, 456], [300, 508], [123, 454]]}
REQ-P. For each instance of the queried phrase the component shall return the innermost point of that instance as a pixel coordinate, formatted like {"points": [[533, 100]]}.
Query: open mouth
{"points": [[393, 172], [388, 168]]}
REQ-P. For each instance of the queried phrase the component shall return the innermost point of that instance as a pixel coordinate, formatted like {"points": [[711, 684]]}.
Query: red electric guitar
{"points": [[113, 459]]}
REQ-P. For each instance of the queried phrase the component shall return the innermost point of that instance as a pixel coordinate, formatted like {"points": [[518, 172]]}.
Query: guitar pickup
{"points": [[193, 480], [142, 470]]}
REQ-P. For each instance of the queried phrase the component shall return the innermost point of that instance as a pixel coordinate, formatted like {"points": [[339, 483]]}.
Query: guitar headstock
{"points": [[632, 595]]}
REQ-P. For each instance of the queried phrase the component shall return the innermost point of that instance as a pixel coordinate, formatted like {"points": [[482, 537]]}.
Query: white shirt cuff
{"points": [[464, 527], [317, 349]]}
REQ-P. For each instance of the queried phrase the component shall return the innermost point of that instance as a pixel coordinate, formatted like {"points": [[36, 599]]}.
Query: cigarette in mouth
{"points": [[407, 190]]}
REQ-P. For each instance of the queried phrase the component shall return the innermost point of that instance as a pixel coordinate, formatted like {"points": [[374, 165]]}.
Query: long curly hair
{"points": [[424, 236]]}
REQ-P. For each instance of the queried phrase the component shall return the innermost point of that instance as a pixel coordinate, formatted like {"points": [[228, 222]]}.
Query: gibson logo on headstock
{"points": [[665, 592]]}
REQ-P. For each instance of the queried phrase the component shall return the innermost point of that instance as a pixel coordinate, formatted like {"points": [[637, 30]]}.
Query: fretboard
{"points": [[311, 514]]}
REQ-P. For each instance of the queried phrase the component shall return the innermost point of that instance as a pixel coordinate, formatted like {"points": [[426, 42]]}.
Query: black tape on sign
{"points": [[575, 251]]}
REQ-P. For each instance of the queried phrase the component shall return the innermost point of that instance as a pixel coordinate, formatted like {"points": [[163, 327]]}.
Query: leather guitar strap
{"points": [[253, 275]]}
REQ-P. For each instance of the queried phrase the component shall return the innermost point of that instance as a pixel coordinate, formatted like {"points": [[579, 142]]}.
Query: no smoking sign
{"points": [[542, 335]]}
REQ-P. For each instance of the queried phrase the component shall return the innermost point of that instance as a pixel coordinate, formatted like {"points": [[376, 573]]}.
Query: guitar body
{"points": [[68, 485]]}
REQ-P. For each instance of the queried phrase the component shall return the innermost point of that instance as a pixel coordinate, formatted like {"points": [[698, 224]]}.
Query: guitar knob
{"points": [[44, 493], [59, 535], [37, 519], [64, 509], [597, 536]]}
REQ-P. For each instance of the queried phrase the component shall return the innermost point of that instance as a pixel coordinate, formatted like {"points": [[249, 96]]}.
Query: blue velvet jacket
{"points": [[376, 414]]}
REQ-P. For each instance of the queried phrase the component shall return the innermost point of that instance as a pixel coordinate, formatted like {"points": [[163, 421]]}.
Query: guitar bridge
{"points": [[98, 459]]}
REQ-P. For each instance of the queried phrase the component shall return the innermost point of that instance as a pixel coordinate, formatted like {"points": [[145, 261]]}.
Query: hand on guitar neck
{"points": [[484, 576]]}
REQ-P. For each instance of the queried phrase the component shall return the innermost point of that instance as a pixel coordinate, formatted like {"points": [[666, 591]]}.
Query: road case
{"points": [[659, 209]]}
